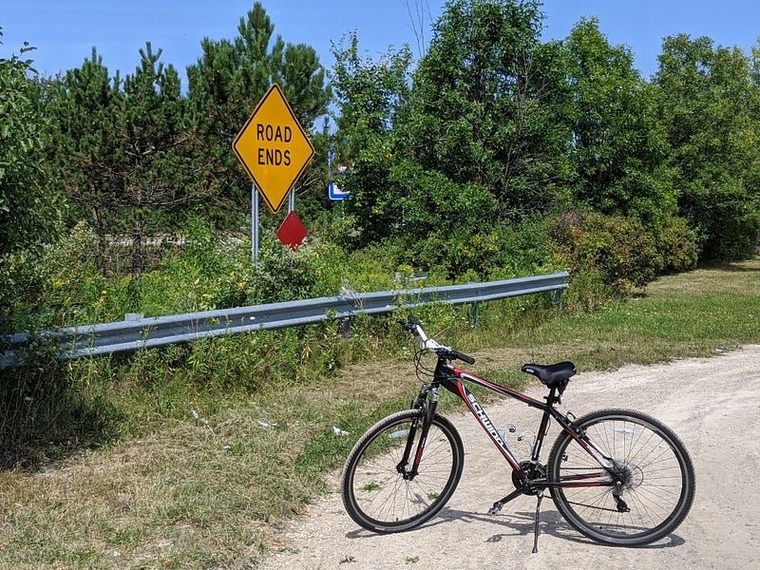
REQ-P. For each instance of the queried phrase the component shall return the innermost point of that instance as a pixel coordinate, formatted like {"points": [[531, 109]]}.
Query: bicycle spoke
{"points": [[644, 494], [378, 496]]}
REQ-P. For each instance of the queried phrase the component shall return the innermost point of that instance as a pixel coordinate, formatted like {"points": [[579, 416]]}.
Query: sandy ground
{"points": [[714, 406]]}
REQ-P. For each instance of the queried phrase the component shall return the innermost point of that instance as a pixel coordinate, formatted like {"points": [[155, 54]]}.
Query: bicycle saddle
{"points": [[552, 375]]}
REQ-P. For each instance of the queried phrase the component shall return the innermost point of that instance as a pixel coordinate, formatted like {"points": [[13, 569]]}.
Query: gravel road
{"points": [[712, 403]]}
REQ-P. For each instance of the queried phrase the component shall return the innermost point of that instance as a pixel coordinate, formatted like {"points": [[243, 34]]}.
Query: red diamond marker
{"points": [[292, 232]]}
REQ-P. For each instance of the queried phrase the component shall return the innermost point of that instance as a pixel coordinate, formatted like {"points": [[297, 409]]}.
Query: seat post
{"points": [[544, 425]]}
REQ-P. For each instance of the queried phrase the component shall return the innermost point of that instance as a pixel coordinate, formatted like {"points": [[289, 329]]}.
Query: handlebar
{"points": [[426, 343]]}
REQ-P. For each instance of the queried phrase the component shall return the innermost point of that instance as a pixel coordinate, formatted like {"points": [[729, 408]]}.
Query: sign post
{"points": [[274, 150], [254, 225]]}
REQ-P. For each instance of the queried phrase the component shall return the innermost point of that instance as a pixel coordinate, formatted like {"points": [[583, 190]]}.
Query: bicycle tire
{"points": [[659, 478], [377, 497]]}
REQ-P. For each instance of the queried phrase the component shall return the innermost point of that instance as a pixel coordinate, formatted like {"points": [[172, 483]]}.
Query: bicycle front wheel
{"points": [[377, 491], [642, 497]]}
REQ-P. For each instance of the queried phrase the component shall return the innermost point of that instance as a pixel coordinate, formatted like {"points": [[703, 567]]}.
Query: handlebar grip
{"points": [[461, 356]]}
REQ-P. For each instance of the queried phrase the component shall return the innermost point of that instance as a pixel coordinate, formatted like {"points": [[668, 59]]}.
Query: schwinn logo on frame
{"points": [[485, 420]]}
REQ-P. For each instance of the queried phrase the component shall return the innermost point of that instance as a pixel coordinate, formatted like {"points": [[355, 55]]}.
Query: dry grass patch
{"points": [[201, 493]]}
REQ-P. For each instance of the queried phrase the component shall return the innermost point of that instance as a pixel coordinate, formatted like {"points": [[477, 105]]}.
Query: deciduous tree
{"points": [[30, 210], [708, 105], [618, 150]]}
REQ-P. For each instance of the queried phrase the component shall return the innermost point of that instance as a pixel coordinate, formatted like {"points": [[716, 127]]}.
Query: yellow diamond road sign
{"points": [[273, 147]]}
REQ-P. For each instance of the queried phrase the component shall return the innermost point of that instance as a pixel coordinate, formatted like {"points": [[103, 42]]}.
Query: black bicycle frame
{"points": [[453, 379], [455, 383]]}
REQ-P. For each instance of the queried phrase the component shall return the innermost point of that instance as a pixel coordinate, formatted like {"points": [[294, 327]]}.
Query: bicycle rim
{"points": [[378, 497], [651, 464]]}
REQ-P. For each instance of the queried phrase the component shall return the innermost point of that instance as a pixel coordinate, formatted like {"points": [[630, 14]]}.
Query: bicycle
{"points": [[619, 477]]}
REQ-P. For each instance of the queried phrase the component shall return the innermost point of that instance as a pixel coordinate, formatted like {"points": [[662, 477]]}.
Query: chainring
{"points": [[533, 472]]}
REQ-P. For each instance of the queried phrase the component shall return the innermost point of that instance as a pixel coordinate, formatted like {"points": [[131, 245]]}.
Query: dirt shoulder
{"points": [[711, 403]]}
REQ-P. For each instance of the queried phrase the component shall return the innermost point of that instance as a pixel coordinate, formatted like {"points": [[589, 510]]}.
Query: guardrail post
{"points": [[474, 314], [344, 326], [557, 298]]}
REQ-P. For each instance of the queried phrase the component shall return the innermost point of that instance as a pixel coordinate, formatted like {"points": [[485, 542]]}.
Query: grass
{"points": [[692, 314], [213, 491]]}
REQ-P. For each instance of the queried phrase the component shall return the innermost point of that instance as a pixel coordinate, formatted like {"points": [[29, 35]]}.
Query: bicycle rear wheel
{"points": [[375, 492], [643, 497]]}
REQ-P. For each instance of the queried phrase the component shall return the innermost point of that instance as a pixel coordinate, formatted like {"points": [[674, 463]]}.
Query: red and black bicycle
{"points": [[618, 476]]}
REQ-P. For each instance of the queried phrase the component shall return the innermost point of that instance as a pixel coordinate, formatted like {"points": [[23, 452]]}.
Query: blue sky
{"points": [[64, 32]]}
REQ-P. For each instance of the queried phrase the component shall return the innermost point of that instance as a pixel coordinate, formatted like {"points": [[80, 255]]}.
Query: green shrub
{"points": [[726, 216], [525, 249], [21, 283], [491, 251], [617, 250], [677, 244], [209, 271], [72, 286], [283, 274]]}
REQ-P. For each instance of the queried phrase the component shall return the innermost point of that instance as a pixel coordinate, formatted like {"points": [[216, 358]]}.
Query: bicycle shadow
{"points": [[520, 524]]}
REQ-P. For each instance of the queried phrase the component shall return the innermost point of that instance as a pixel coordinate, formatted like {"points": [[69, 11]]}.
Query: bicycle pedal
{"points": [[495, 509]]}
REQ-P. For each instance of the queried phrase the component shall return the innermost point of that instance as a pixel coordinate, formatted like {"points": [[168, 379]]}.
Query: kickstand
{"points": [[536, 527]]}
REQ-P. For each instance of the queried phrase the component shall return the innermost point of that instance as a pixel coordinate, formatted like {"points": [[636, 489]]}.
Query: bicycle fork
{"points": [[426, 402]]}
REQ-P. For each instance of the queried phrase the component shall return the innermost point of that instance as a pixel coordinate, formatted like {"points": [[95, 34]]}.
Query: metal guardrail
{"points": [[137, 332]]}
